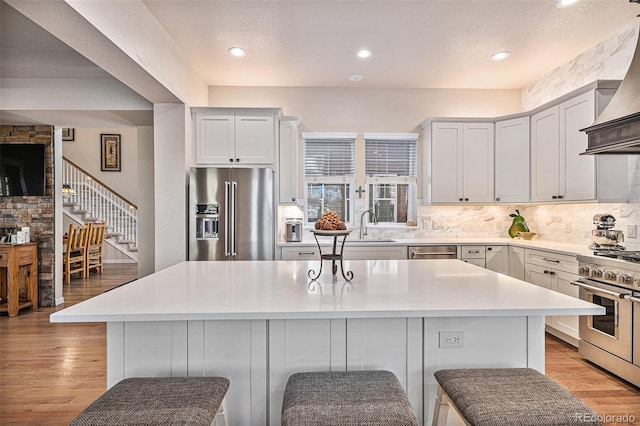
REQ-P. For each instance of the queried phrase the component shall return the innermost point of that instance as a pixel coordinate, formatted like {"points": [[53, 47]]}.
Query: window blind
{"points": [[390, 157], [329, 157]]}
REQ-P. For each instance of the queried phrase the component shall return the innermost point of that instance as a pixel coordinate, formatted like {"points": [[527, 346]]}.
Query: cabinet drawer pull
{"points": [[304, 253], [473, 251], [546, 259], [560, 197]]}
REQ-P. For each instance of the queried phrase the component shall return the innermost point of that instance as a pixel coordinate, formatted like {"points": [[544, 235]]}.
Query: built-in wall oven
{"points": [[611, 340]]}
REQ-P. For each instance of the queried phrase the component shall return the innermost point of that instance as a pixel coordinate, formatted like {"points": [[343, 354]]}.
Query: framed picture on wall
{"points": [[110, 153], [68, 134]]}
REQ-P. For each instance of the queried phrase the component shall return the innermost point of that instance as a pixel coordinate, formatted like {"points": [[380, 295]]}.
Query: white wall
{"points": [[368, 110], [85, 152]]}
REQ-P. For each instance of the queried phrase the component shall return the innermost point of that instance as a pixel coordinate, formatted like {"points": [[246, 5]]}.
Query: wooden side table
{"points": [[14, 259]]}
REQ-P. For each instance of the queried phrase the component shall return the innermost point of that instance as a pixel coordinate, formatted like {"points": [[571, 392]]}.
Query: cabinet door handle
{"points": [[293, 198], [560, 197], [466, 199], [460, 199], [497, 198], [489, 248], [546, 259], [237, 160], [555, 197], [231, 160]]}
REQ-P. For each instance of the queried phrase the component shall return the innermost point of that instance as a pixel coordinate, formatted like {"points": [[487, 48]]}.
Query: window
{"points": [[391, 175], [329, 167]]}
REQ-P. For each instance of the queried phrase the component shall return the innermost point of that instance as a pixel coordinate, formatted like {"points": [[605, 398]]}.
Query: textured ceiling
{"points": [[416, 44]]}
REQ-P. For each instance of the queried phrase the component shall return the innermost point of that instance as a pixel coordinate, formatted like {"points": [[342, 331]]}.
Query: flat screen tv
{"points": [[22, 169]]}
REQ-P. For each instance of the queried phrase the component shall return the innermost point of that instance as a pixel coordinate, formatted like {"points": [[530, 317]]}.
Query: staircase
{"points": [[86, 199]]}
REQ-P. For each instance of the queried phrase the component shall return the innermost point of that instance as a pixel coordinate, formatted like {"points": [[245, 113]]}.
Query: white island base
{"points": [[256, 323]]}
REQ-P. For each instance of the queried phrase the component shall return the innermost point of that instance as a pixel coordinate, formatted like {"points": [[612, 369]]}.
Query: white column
{"points": [[171, 135], [146, 209]]}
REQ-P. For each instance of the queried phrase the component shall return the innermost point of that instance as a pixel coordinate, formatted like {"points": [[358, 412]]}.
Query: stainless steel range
{"points": [[611, 278]]}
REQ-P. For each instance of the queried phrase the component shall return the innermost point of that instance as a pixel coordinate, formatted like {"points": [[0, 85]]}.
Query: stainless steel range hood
{"points": [[617, 129]]}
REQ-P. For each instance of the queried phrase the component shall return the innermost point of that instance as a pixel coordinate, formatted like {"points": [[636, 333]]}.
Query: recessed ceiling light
{"points": [[498, 56], [237, 51], [566, 3], [355, 77], [364, 53]]}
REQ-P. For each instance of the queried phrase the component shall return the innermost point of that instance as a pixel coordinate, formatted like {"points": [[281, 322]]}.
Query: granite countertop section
{"points": [[245, 290], [554, 246]]}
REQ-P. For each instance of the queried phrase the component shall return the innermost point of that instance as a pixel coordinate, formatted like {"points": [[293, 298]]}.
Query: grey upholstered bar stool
{"points": [[192, 401], [351, 398], [508, 396]]}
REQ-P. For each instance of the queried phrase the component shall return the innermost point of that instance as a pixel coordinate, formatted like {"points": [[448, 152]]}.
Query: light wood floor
{"points": [[51, 372]]}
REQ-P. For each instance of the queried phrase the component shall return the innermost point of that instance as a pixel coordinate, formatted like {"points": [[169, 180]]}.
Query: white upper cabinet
{"points": [[462, 162], [288, 160], [545, 155], [558, 171], [512, 160], [235, 138]]}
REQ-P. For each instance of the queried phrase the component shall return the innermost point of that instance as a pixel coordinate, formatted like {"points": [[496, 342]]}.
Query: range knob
{"points": [[611, 276], [596, 273], [625, 279], [584, 271]]}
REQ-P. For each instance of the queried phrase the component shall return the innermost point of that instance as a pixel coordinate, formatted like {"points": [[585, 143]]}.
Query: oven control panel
{"points": [[614, 275]]}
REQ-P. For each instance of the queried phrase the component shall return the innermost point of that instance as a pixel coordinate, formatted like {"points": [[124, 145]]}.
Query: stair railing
{"points": [[101, 202]]}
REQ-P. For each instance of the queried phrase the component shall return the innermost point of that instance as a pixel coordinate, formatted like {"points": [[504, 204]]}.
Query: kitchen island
{"points": [[258, 322]]}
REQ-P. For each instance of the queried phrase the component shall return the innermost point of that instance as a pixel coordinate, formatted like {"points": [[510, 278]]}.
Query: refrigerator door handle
{"points": [[233, 218], [227, 219]]}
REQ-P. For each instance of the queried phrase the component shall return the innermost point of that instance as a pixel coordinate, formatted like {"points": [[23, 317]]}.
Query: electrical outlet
{"points": [[632, 231], [451, 339], [437, 226]]}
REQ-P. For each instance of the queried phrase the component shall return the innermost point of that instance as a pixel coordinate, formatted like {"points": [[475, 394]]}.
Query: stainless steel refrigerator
{"points": [[231, 214]]}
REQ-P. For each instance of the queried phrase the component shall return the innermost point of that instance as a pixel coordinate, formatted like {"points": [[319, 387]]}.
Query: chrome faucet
{"points": [[363, 226]]}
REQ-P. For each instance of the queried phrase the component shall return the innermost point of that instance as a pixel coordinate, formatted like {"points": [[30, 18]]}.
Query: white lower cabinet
{"points": [[300, 253], [375, 252], [516, 262], [497, 259], [473, 254], [494, 258], [556, 279]]}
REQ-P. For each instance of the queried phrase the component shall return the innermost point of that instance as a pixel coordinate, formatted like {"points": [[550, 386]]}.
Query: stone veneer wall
{"points": [[32, 211], [608, 60]]}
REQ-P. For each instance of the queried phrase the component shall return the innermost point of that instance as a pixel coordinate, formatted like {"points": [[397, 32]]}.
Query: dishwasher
{"points": [[433, 252]]}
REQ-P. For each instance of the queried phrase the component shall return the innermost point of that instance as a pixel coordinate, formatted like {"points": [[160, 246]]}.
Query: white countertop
{"points": [[534, 244], [282, 290]]}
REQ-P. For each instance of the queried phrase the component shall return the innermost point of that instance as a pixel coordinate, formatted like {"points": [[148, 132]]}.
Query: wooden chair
{"points": [[75, 255], [94, 247]]}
